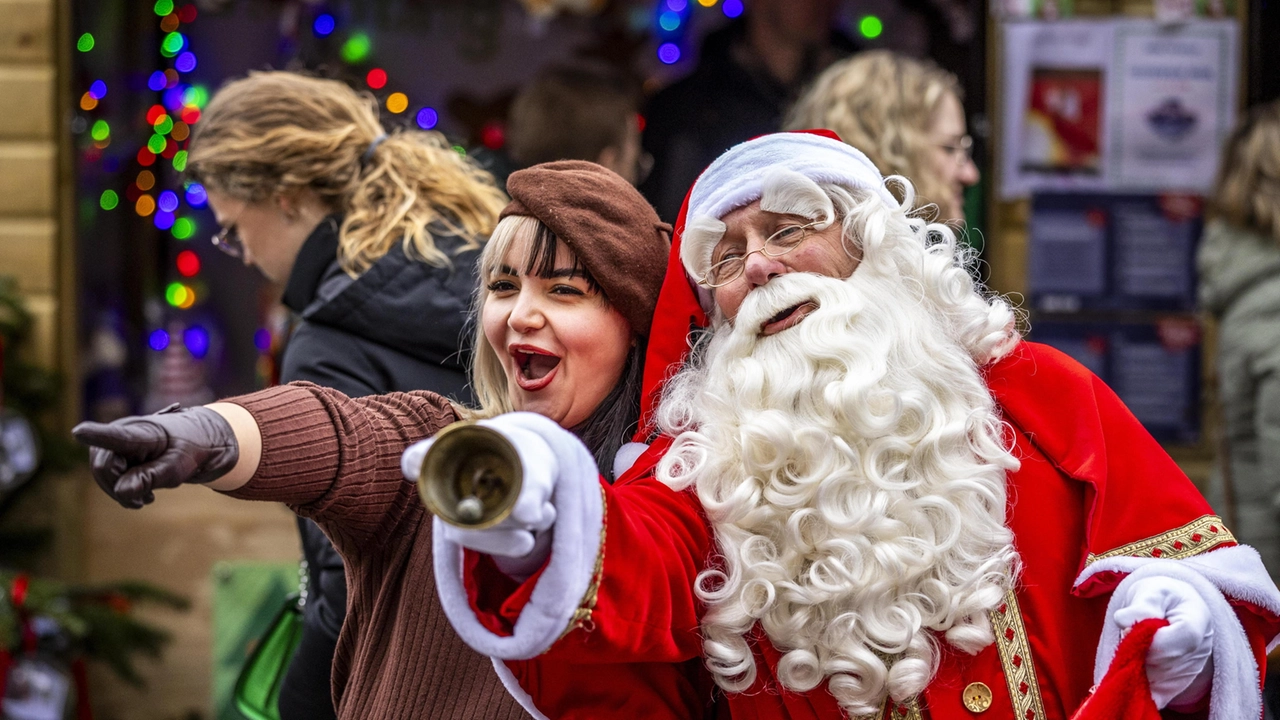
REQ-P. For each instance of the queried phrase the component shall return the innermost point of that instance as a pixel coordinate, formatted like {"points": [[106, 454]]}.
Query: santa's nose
{"points": [[761, 268]]}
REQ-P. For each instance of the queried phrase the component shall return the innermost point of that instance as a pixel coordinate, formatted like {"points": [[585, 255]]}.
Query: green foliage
{"points": [[30, 389], [33, 392], [98, 620]]}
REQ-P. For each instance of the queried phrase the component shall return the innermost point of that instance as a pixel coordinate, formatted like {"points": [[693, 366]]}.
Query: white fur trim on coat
{"points": [[517, 693], [561, 587], [1235, 572], [627, 456], [736, 178]]}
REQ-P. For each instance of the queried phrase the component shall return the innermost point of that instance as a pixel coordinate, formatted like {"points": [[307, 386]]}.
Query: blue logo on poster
{"points": [[1172, 120]]}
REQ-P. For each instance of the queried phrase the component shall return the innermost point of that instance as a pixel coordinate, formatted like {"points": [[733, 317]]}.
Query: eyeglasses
{"points": [[228, 240], [961, 151], [776, 245]]}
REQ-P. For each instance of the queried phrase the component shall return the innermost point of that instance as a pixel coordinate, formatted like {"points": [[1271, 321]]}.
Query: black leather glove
{"points": [[133, 456]]}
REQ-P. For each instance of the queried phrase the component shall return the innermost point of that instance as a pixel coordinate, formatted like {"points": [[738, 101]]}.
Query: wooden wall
{"points": [[177, 541], [32, 222]]}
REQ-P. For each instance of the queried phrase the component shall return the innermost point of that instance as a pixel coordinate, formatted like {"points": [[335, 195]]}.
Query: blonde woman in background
{"points": [[905, 114], [374, 237], [1239, 266]]}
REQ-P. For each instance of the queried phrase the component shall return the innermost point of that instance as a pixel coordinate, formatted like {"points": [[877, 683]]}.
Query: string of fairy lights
{"points": [[180, 102], [672, 23], [169, 122]]}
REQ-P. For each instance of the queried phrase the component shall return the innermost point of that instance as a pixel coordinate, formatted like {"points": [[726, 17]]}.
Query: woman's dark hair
{"points": [[614, 420]]}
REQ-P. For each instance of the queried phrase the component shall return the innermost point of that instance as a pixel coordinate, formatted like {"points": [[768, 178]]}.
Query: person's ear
{"points": [[289, 203], [611, 157]]}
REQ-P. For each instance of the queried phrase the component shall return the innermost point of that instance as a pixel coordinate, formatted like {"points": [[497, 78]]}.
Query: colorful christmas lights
{"points": [[323, 25], [871, 27], [356, 48], [428, 118]]}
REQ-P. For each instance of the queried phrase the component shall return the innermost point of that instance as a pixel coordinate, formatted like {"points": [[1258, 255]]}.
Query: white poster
{"points": [[1055, 76], [1173, 99], [1114, 105]]}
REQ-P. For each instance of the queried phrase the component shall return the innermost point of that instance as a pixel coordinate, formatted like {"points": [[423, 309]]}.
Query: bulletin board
{"points": [[1107, 119]]}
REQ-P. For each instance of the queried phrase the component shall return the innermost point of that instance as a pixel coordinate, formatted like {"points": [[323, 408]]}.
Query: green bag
{"points": [[257, 692]]}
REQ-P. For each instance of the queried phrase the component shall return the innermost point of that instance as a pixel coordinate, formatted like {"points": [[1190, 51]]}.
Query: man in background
{"points": [[577, 114], [748, 74]]}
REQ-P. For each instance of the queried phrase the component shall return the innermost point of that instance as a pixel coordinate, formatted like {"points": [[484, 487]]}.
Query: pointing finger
{"points": [[131, 439]]}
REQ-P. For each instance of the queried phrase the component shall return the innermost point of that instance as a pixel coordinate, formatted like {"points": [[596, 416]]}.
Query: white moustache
{"points": [[764, 303]]}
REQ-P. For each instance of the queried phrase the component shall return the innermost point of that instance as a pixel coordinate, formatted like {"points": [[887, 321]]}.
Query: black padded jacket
{"points": [[398, 326]]}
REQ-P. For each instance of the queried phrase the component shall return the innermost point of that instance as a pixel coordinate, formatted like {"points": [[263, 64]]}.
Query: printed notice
{"points": [[1172, 95]]}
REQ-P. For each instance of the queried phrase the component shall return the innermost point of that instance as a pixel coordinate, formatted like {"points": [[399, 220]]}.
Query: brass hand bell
{"points": [[471, 476]]}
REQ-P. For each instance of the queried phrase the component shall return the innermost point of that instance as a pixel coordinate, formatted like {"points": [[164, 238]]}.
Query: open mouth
{"points": [[788, 317], [535, 367]]}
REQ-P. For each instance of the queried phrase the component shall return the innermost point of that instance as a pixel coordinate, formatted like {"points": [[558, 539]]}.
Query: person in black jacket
{"points": [[748, 74], [375, 238]]}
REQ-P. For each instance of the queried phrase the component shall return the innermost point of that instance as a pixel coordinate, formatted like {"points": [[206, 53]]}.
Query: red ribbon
{"points": [[18, 593], [84, 710], [18, 598], [6, 660]]}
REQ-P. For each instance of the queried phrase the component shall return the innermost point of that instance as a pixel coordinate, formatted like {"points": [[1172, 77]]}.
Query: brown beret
{"points": [[606, 222]]}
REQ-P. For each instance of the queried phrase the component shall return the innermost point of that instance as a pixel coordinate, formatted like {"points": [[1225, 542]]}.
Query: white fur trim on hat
{"points": [[737, 178]]}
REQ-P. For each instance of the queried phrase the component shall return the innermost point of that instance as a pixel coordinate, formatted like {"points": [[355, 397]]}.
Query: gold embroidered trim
{"points": [[1015, 658], [582, 616], [1198, 536]]}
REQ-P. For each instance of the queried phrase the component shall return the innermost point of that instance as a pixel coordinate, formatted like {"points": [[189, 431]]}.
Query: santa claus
{"points": [[865, 495]]}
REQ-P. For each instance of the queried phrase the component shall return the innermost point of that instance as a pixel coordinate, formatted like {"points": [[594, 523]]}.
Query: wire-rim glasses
{"points": [[778, 244], [961, 151], [228, 241]]}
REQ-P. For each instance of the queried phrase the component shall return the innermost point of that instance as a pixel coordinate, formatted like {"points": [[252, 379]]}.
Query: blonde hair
{"points": [[1248, 194], [274, 132], [883, 104], [488, 380]]}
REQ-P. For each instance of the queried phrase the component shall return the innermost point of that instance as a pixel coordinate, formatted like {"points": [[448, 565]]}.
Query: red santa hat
{"points": [[1125, 691], [734, 180]]}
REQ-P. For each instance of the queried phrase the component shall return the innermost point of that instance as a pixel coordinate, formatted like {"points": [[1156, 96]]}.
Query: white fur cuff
{"points": [[563, 584], [1236, 572]]}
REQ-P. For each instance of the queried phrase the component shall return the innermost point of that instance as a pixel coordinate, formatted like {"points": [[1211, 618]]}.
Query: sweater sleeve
{"points": [[336, 459]]}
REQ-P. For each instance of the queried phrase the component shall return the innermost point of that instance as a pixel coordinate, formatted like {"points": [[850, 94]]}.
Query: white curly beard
{"points": [[853, 470]]}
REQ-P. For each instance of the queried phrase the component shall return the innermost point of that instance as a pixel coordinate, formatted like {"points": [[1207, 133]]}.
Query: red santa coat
{"points": [[1093, 485], [615, 633]]}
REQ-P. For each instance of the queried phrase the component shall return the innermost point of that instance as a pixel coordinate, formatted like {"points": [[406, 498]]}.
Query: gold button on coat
{"points": [[977, 697]]}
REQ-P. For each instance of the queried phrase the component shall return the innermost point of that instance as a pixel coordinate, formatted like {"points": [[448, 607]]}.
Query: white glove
{"points": [[541, 444], [1178, 663]]}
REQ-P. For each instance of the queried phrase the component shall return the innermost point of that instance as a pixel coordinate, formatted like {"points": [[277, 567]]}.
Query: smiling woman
{"points": [[549, 325], [569, 282]]}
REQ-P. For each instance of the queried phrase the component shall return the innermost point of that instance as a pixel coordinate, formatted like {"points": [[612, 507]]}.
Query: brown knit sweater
{"points": [[336, 460]]}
